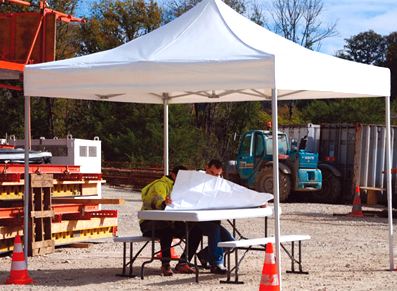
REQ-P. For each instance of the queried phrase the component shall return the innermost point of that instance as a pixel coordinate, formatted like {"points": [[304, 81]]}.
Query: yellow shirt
{"points": [[154, 194]]}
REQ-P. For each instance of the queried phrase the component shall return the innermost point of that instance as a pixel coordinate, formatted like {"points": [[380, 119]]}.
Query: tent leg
{"points": [[276, 183], [388, 181], [26, 177], [165, 102]]}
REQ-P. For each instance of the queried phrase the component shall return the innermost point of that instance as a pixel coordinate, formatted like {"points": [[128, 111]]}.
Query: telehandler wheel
{"points": [[264, 183], [330, 189]]}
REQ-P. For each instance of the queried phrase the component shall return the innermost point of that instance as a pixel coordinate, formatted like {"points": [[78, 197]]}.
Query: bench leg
{"points": [[294, 260], [187, 230], [151, 259], [131, 261], [230, 270]]}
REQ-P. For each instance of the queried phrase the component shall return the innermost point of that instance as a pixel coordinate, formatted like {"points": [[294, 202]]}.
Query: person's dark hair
{"points": [[177, 168], [216, 163]]}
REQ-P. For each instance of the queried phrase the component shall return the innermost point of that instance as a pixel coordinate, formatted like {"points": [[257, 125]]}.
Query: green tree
{"points": [[360, 110], [373, 49], [134, 132], [366, 47], [222, 125], [12, 113], [391, 62], [67, 34], [113, 23], [49, 114]]}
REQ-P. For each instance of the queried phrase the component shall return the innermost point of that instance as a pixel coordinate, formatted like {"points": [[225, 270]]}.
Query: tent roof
{"points": [[209, 54]]}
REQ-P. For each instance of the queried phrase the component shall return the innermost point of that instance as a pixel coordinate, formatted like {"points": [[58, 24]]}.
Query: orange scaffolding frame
{"points": [[17, 68]]}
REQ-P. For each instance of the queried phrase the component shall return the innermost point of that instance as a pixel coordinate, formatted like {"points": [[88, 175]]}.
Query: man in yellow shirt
{"points": [[156, 196]]}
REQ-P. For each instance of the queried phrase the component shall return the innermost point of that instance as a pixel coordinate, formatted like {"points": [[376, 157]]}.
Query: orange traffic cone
{"points": [[356, 211], [19, 274], [269, 279], [172, 250]]}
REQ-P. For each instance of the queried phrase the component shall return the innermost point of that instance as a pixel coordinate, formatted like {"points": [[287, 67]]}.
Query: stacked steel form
{"points": [[68, 220]]}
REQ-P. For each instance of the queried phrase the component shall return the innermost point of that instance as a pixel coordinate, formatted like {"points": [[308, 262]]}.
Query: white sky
{"points": [[356, 16]]}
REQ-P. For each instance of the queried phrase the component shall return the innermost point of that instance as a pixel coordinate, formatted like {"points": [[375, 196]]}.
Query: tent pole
{"points": [[165, 102], [276, 183], [26, 177], [388, 181]]}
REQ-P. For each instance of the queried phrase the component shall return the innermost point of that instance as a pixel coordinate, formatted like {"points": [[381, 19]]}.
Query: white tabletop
{"points": [[205, 215]]}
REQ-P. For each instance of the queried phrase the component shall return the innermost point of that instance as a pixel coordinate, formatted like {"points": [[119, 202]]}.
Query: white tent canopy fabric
{"points": [[212, 54], [209, 54]]}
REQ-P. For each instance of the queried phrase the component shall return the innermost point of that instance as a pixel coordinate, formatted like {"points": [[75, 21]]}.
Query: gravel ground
{"points": [[344, 253]]}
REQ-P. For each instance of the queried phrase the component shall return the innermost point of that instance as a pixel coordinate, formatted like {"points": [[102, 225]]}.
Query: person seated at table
{"points": [[156, 196], [211, 257]]}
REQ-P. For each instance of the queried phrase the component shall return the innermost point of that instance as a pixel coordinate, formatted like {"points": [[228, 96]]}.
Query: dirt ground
{"points": [[344, 253]]}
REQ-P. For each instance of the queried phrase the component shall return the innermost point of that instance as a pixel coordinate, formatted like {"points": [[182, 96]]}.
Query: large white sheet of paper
{"points": [[197, 190]]}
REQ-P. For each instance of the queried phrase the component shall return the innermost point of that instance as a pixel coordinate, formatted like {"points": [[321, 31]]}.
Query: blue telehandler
{"points": [[298, 168]]}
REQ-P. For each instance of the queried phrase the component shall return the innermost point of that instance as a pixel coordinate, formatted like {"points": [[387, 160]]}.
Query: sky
{"points": [[356, 16]]}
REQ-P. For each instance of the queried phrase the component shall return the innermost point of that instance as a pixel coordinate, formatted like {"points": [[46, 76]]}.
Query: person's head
{"points": [[214, 168], [175, 171]]}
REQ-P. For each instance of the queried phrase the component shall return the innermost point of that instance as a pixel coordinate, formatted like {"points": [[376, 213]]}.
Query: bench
{"points": [[131, 240], [372, 194], [249, 244], [137, 239]]}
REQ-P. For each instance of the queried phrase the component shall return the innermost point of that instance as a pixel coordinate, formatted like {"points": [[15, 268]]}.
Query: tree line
{"points": [[198, 132]]}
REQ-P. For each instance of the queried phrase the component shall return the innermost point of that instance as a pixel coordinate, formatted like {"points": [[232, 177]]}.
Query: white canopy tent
{"points": [[212, 54]]}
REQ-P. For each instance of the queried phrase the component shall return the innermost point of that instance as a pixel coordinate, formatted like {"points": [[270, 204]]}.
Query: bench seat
{"points": [[259, 244], [132, 239], [262, 241], [372, 194]]}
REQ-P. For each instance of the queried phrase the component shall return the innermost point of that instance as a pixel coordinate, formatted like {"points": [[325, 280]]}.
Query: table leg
{"points": [[187, 231]]}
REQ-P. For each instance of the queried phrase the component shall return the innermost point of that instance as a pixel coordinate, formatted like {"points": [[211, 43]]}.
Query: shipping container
{"points": [[358, 151]]}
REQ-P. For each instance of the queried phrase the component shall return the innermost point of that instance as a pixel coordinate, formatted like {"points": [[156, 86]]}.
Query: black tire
{"points": [[331, 188], [264, 183]]}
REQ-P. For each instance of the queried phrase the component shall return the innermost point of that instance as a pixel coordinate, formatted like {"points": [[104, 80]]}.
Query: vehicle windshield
{"points": [[282, 144]]}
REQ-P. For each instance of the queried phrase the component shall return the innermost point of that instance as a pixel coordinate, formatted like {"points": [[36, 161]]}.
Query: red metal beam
{"points": [[64, 17], [11, 87], [44, 169], [11, 66], [16, 2], [87, 215], [74, 208], [10, 177], [61, 209], [11, 212], [6, 146], [69, 177], [95, 177], [44, 8]]}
